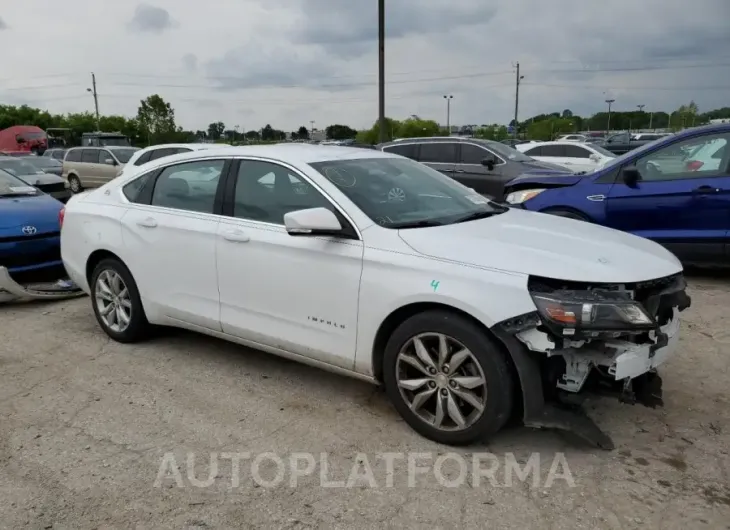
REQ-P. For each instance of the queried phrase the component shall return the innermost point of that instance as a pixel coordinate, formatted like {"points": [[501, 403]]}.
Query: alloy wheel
{"points": [[113, 301], [441, 381]]}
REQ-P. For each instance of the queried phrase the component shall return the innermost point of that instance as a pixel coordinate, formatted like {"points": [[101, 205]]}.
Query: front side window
{"points": [[692, 158], [190, 186], [265, 192], [438, 153], [123, 155], [575, 151], [472, 154], [398, 193], [535, 151]]}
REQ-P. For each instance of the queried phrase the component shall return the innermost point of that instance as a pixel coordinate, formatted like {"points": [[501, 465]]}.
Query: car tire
{"points": [[75, 184], [567, 214], [116, 278], [485, 360]]}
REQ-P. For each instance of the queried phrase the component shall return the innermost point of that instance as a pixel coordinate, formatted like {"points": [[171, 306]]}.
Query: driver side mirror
{"points": [[488, 163], [312, 222], [594, 157], [110, 162], [631, 176]]}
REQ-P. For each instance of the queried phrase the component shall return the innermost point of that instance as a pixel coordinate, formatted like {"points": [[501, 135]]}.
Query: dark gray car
{"points": [[482, 165], [53, 185]]}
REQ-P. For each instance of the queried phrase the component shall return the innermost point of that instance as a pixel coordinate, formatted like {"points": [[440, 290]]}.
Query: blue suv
{"points": [[675, 191]]}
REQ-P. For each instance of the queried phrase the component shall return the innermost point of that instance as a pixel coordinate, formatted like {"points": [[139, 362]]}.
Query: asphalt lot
{"points": [[85, 424]]}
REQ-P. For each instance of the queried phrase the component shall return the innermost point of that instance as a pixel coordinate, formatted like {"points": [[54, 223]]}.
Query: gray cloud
{"points": [[151, 19], [190, 62], [3, 25]]}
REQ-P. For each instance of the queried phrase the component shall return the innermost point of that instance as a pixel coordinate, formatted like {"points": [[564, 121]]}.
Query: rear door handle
{"points": [[148, 223], [236, 236], [459, 171]]}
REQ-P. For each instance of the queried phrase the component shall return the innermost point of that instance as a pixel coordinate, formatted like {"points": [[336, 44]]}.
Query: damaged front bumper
{"points": [[58, 290], [558, 362]]}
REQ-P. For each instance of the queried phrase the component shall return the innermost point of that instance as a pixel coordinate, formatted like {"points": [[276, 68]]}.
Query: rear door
{"points": [[90, 169], [440, 156], [471, 172], [680, 203], [578, 158]]}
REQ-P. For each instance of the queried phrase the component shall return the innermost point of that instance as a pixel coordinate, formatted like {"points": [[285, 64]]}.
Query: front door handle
{"points": [[706, 189], [236, 236], [459, 171], [148, 223]]}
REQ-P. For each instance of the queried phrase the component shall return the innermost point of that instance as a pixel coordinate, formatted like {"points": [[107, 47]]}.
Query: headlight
{"points": [[592, 311], [518, 197]]}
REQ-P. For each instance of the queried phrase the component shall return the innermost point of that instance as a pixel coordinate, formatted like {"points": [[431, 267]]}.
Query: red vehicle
{"points": [[28, 138]]}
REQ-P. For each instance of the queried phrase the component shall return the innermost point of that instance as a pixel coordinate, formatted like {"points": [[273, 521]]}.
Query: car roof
{"points": [[293, 153], [197, 146], [556, 142]]}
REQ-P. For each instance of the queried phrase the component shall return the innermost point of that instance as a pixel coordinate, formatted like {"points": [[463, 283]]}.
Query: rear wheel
{"points": [[116, 302], [75, 184], [447, 378]]}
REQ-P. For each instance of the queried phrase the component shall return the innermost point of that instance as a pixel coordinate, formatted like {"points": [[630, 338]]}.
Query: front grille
{"points": [[27, 259], [52, 188]]}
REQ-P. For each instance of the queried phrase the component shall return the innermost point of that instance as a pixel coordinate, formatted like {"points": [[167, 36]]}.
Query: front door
{"points": [[472, 173], [171, 242], [295, 293], [680, 201], [440, 156]]}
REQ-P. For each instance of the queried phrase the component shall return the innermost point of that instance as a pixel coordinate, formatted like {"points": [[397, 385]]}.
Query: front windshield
{"points": [[401, 193], [11, 185], [646, 147], [18, 167], [507, 152], [123, 155]]}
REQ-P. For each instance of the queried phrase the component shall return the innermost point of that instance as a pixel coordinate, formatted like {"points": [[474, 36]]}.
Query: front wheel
{"points": [[448, 378], [116, 302], [75, 184]]}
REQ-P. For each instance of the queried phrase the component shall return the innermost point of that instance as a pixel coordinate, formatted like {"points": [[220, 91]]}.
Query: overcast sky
{"points": [[288, 62]]}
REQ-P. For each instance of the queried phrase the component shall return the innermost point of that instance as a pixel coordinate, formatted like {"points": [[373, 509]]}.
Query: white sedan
{"points": [[574, 156], [376, 266]]}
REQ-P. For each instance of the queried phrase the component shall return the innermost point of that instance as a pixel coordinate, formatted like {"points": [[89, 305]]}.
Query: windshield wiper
{"points": [[474, 216], [424, 223]]}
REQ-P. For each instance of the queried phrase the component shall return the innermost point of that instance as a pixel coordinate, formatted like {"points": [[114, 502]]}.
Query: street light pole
{"points": [[96, 99], [381, 70], [448, 114], [517, 97], [641, 108], [610, 102]]}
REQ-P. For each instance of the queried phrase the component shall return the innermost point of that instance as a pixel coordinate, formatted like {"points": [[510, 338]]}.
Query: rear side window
{"points": [[162, 153], [553, 150], [407, 150], [73, 156], [144, 158], [133, 190], [90, 156], [438, 153], [575, 151]]}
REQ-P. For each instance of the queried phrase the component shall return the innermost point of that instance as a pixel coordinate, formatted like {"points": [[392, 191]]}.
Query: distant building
{"points": [[720, 120]]}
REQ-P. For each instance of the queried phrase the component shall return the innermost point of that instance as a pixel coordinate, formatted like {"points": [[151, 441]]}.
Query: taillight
{"points": [[61, 215], [694, 165]]}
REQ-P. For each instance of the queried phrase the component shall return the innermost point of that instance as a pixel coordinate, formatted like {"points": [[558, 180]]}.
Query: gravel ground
{"points": [[86, 424]]}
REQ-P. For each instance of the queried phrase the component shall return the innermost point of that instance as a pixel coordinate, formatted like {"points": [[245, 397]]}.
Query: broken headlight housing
{"points": [[592, 312]]}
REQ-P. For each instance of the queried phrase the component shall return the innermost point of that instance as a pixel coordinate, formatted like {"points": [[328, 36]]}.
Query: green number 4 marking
{"points": [[435, 285]]}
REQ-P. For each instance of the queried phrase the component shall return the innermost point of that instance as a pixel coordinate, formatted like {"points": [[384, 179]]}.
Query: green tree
{"points": [[302, 133], [340, 132], [413, 128], [157, 120], [215, 130]]}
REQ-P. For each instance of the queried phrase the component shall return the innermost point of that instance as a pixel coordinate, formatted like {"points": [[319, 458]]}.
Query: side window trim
{"points": [[228, 191]]}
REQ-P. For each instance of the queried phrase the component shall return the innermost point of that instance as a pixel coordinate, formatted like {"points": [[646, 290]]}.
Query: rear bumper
{"points": [[59, 290]]}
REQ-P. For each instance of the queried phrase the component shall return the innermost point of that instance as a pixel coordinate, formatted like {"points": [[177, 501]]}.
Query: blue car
{"points": [[675, 191], [30, 246]]}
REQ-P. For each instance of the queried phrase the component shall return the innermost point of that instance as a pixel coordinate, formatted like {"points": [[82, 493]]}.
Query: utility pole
{"points": [[610, 102], [448, 114], [517, 97], [381, 70], [96, 99], [651, 120]]}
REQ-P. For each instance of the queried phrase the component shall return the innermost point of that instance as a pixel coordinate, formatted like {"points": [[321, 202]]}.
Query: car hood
{"points": [[548, 246], [536, 166], [40, 179], [40, 211], [566, 179]]}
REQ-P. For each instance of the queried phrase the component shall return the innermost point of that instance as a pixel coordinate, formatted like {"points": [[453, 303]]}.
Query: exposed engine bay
{"points": [[599, 338]]}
